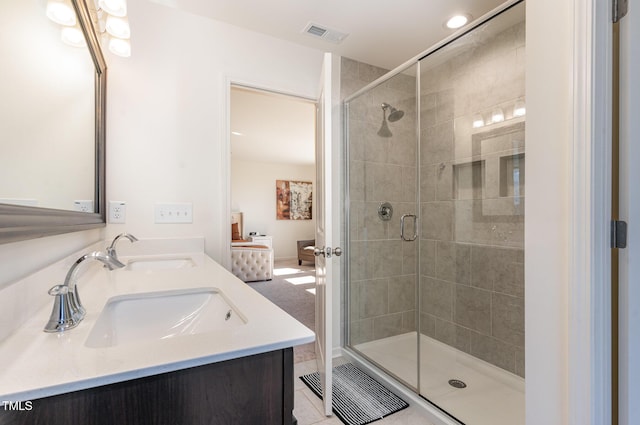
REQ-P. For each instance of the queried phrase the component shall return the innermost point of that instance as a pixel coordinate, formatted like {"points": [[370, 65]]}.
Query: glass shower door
{"points": [[472, 238], [382, 193]]}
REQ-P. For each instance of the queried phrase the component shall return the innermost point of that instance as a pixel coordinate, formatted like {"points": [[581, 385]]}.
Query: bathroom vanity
{"points": [[173, 338]]}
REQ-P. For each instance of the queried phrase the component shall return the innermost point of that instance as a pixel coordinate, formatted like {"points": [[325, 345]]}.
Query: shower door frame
{"points": [[347, 214]]}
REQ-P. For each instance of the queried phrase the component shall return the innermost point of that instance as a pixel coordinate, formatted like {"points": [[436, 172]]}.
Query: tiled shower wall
{"points": [[471, 201], [383, 268]]}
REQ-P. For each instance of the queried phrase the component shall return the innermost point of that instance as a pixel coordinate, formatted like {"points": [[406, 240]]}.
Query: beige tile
{"points": [[383, 182], [437, 220], [409, 321], [402, 293], [444, 182], [384, 258], [409, 257], [428, 183], [507, 317], [493, 351], [361, 331], [453, 262], [374, 298], [304, 409], [427, 325], [437, 144], [472, 308], [428, 257], [388, 325], [453, 335], [437, 298], [445, 101]]}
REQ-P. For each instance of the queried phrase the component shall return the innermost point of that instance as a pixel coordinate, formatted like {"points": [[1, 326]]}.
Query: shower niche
{"points": [[495, 174]]}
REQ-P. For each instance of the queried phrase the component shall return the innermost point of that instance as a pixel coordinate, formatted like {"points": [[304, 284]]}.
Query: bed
{"points": [[250, 262]]}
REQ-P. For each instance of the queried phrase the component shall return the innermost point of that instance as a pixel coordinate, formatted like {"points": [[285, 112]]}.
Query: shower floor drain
{"points": [[456, 383]]}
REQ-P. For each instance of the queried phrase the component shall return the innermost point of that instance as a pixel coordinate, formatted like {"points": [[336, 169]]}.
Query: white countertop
{"points": [[36, 364]]}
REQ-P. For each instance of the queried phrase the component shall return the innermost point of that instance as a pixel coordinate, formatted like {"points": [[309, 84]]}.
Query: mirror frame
{"points": [[21, 222]]}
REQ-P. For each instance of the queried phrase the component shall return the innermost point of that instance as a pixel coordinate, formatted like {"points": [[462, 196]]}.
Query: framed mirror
{"points": [[52, 122]]}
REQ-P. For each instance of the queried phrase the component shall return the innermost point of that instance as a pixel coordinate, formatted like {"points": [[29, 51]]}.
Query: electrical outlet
{"points": [[174, 213], [83, 206], [117, 212]]}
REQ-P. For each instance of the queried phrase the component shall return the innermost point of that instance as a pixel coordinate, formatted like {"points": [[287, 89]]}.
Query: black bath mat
{"points": [[358, 399]]}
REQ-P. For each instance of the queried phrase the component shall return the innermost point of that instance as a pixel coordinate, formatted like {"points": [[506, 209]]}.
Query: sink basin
{"points": [[161, 315], [159, 263]]}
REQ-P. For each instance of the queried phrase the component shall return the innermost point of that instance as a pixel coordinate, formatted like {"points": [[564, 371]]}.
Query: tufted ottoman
{"points": [[252, 263]]}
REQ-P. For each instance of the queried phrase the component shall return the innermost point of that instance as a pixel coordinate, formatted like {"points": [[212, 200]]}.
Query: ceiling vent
{"points": [[324, 33]]}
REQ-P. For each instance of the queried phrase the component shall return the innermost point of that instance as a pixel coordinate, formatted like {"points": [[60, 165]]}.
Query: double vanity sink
{"points": [[163, 314]]}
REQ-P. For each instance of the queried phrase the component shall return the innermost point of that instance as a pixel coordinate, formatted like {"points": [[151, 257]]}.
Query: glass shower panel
{"points": [[472, 194], [382, 188]]}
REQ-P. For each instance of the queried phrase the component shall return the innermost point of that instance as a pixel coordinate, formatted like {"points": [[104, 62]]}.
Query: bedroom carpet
{"points": [[292, 289]]}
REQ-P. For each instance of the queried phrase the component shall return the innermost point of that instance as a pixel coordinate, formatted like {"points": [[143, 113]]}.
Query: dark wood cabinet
{"points": [[250, 390]]}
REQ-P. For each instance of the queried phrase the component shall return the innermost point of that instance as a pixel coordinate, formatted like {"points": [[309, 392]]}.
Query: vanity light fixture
{"points": [[478, 121], [61, 12], [519, 109], [73, 36], [114, 7], [120, 47], [457, 21], [118, 27], [237, 133], [114, 26], [497, 115]]}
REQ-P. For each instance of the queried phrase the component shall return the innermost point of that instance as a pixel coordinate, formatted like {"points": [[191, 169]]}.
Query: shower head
{"points": [[394, 114]]}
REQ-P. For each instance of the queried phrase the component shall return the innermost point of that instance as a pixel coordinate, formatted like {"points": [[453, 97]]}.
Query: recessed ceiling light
{"points": [[457, 21]]}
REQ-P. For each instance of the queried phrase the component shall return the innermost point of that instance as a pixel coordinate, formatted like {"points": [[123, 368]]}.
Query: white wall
{"points": [[166, 114], [253, 193], [549, 83]]}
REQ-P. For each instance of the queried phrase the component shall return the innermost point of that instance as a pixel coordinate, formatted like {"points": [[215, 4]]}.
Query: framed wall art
{"points": [[293, 200]]}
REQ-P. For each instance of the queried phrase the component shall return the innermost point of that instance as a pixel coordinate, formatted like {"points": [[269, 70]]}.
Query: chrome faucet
{"points": [[111, 250], [67, 309]]}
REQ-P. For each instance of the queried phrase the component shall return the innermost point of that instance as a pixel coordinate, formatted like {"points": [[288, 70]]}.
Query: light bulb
{"points": [[120, 47], [478, 121], [73, 37], [61, 13], [118, 27], [497, 115], [114, 7], [457, 21], [519, 110]]}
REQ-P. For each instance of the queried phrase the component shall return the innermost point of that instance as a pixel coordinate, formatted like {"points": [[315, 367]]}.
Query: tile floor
{"points": [[308, 407]]}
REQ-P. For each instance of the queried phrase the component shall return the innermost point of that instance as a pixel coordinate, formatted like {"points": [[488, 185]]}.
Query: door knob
{"points": [[327, 252]]}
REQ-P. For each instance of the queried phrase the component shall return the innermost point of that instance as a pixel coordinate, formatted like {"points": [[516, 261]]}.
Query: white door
{"points": [[327, 188], [629, 323]]}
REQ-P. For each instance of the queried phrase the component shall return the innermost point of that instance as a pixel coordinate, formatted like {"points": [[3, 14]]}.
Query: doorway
{"points": [[272, 180]]}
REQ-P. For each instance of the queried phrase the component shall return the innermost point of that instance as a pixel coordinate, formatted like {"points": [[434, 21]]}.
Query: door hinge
{"points": [[620, 8], [618, 234]]}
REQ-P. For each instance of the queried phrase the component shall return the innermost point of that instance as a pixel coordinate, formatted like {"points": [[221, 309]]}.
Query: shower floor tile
{"points": [[492, 396]]}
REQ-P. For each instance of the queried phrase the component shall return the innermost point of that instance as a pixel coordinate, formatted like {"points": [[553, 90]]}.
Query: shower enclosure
{"points": [[435, 159]]}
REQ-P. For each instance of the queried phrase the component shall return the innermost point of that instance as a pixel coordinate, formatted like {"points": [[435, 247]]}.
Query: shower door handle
{"points": [[415, 227]]}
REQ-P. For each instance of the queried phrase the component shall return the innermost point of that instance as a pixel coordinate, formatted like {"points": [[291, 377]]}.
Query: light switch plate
{"points": [[174, 213]]}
